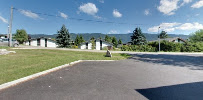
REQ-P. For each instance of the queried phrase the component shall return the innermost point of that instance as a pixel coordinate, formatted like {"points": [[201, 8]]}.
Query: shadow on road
{"points": [[188, 91], [192, 62]]}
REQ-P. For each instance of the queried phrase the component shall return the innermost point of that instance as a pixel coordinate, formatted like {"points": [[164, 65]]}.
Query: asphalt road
{"points": [[144, 76]]}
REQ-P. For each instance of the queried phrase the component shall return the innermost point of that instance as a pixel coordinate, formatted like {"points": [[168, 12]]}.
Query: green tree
{"points": [[63, 37], [81, 39], [197, 36], [120, 41], [138, 38], [114, 41], [163, 35], [93, 42], [108, 39], [21, 36], [77, 40]]}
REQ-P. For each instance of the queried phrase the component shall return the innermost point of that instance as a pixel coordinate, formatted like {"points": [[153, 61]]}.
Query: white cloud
{"points": [[169, 27], [63, 15], [116, 13], [198, 4], [190, 26], [168, 7], [30, 14], [113, 32], [101, 1], [128, 31], [3, 19], [185, 2], [146, 12], [89, 8]]}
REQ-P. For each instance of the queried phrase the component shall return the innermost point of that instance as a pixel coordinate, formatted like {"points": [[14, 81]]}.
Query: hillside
{"points": [[125, 37]]}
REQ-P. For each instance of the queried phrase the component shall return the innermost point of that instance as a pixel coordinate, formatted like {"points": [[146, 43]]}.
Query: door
{"points": [[45, 42], [38, 42]]}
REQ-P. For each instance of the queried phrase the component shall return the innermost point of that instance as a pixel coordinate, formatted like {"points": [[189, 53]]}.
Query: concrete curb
{"points": [[27, 78]]}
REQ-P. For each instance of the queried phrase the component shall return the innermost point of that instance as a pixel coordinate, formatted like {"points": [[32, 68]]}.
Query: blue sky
{"points": [[173, 16]]}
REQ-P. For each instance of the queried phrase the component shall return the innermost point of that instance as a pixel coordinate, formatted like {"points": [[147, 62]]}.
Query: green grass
{"points": [[28, 62]]}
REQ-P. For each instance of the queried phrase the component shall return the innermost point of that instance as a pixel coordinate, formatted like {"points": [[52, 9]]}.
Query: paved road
{"points": [[144, 76]]}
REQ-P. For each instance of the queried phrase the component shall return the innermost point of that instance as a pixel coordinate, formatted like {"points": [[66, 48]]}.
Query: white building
{"points": [[100, 44], [42, 42]]}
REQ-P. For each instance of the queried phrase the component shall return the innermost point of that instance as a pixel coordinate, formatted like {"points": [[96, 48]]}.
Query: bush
{"points": [[74, 47], [139, 48]]}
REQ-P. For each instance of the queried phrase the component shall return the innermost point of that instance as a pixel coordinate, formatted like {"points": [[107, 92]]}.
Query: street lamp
{"points": [[159, 39]]}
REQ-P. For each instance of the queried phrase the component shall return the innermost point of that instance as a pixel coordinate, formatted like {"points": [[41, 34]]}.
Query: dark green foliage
{"points": [[138, 48], [114, 41], [192, 47], [163, 35], [79, 40], [63, 37], [138, 38], [93, 43], [108, 39], [120, 41], [21, 36], [197, 36]]}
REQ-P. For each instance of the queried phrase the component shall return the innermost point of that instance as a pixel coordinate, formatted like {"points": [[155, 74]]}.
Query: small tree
{"points": [[108, 39], [163, 35], [197, 36], [114, 41], [120, 41], [21, 36], [63, 37], [138, 38], [81, 39], [93, 43], [77, 40]]}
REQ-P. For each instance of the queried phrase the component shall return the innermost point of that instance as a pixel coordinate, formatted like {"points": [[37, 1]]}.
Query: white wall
{"points": [[105, 44], [42, 42], [51, 44], [97, 44], [33, 42], [89, 45], [27, 43], [83, 46]]}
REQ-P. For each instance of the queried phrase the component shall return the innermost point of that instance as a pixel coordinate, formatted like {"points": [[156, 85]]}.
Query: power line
{"points": [[81, 19]]}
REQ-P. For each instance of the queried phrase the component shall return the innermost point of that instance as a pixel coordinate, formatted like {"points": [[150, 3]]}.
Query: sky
{"points": [[102, 16]]}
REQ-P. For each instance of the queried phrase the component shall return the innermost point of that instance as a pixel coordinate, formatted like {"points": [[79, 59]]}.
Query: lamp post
{"points": [[159, 39]]}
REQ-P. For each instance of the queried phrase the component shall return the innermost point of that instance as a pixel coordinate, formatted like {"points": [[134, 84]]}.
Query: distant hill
{"points": [[124, 37]]}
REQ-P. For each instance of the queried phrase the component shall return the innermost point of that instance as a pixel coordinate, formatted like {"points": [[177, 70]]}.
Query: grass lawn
{"points": [[27, 62]]}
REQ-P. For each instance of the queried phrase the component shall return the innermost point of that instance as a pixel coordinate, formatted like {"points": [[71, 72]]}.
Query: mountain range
{"points": [[124, 37]]}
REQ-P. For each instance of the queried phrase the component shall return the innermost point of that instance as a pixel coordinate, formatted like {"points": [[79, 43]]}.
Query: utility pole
{"points": [[10, 27], [159, 40]]}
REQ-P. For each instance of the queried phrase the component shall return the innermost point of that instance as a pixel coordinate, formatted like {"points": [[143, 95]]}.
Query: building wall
{"points": [[97, 44], [51, 44], [89, 45], [105, 44], [42, 42], [27, 43], [83, 46], [33, 43]]}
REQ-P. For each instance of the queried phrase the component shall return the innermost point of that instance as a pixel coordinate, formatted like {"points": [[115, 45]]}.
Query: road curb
{"points": [[33, 76]]}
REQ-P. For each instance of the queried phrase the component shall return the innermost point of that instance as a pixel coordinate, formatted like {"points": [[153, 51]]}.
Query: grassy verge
{"points": [[27, 62]]}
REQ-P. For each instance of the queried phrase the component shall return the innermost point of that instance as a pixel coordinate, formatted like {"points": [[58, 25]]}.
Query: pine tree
{"points": [[114, 41], [93, 43], [163, 35], [138, 38], [120, 41], [77, 40], [63, 37], [108, 39], [81, 39]]}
